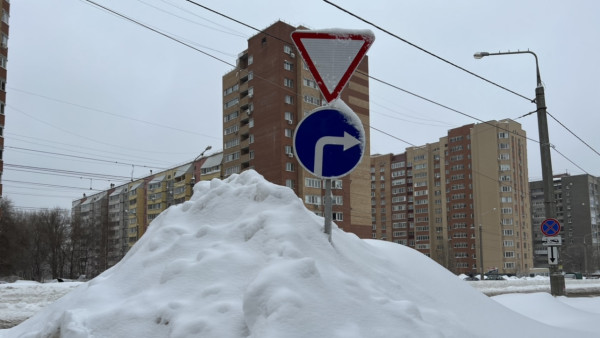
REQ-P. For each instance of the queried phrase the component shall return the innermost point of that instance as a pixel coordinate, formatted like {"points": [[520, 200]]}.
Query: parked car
{"points": [[470, 277]]}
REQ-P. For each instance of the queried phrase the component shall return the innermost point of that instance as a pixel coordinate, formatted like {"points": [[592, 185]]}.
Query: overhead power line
{"points": [[424, 50], [256, 75]]}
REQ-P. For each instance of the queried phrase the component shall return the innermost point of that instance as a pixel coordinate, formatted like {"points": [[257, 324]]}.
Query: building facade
{"points": [[462, 200], [577, 203], [5, 5], [264, 98], [112, 221]]}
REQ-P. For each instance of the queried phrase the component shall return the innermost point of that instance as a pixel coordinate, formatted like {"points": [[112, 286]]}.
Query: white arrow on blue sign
{"points": [[329, 142]]}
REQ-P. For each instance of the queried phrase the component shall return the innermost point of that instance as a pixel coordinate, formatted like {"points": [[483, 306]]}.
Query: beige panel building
{"points": [[463, 201]]}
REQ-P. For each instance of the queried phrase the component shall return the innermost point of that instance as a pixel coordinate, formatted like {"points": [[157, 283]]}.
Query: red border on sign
{"points": [[550, 219], [297, 37]]}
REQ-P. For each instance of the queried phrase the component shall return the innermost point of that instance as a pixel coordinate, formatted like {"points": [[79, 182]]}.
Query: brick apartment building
{"points": [[264, 98], [5, 5], [461, 200]]}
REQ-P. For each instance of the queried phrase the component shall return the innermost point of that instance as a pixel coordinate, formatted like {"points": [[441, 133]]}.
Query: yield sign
{"points": [[332, 55]]}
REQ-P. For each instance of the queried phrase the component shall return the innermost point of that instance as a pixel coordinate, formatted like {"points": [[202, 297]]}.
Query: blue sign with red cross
{"points": [[550, 227]]}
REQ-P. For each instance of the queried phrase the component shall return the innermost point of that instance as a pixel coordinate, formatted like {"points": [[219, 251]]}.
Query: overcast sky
{"points": [[90, 92]]}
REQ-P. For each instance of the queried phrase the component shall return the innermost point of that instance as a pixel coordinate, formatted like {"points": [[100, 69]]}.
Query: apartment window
{"points": [[251, 138], [509, 254], [3, 61], [505, 178], [232, 129], [232, 157], [507, 211], [310, 83], [231, 103], [312, 199], [250, 59], [287, 49], [231, 116], [504, 156], [506, 188], [503, 145], [288, 65], [337, 216], [312, 182], [290, 167], [508, 232], [232, 170], [289, 99], [507, 221], [503, 134], [509, 244], [336, 184], [232, 143], [420, 166], [289, 183], [288, 116], [509, 265], [288, 132], [288, 82], [505, 167], [397, 165], [4, 42], [312, 100], [506, 199], [337, 200]]}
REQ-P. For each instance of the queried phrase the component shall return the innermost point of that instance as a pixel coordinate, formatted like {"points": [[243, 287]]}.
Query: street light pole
{"points": [[557, 281]]}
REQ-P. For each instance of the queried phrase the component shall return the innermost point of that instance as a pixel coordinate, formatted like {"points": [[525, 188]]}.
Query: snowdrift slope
{"points": [[245, 258]]}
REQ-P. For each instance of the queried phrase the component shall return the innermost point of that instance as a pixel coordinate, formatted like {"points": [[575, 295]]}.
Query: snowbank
{"points": [[245, 258]]}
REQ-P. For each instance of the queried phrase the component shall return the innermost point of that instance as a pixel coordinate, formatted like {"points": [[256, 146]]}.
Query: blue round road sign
{"points": [[329, 143], [550, 227]]}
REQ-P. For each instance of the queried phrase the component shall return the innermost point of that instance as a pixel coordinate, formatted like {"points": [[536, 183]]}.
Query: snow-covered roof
{"points": [[158, 179], [183, 170], [213, 161]]}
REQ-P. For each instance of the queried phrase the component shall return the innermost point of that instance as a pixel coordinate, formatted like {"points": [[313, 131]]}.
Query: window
{"points": [[289, 167], [337, 216], [4, 42], [231, 157], [288, 65], [231, 116], [503, 134], [288, 132], [232, 143], [288, 116], [250, 61], [505, 167], [509, 244], [509, 265], [287, 49], [310, 83], [312, 199], [289, 183], [504, 156], [288, 82], [3, 61], [232, 170], [232, 129], [508, 232], [289, 99], [231, 103], [503, 145], [506, 188], [312, 100], [505, 178], [312, 182]]}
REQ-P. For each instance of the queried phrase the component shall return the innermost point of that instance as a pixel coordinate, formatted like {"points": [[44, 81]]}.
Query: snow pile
{"points": [[245, 258]]}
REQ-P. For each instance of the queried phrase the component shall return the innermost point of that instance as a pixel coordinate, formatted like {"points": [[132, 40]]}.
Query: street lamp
{"points": [[556, 286]]}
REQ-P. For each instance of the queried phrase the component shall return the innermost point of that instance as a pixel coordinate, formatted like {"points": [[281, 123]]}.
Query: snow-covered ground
{"points": [[245, 258]]}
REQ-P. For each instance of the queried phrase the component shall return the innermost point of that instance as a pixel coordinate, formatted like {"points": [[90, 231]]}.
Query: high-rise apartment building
{"points": [[462, 200], [577, 204], [5, 4], [264, 98]]}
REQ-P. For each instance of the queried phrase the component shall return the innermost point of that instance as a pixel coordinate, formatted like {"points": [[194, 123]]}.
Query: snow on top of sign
{"points": [[351, 116], [343, 33]]}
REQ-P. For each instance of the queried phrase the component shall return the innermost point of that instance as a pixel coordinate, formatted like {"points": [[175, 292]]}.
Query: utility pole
{"points": [[557, 280], [481, 251]]}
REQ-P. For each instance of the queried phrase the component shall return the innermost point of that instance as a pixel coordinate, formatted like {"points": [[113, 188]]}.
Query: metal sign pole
{"points": [[328, 208]]}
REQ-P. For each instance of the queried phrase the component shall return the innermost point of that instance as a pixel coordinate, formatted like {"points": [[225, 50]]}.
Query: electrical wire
{"points": [[83, 157], [572, 133], [423, 49], [384, 82]]}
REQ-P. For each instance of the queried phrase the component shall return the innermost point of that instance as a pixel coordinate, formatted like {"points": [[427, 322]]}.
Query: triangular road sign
{"points": [[332, 55]]}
